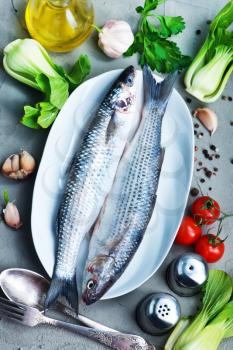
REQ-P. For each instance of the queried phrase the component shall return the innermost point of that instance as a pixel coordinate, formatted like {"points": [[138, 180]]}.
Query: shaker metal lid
{"points": [[158, 313], [187, 274], [191, 270]]}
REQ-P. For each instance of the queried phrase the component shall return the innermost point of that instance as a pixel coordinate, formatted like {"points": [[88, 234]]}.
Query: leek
{"points": [[210, 70], [217, 292]]}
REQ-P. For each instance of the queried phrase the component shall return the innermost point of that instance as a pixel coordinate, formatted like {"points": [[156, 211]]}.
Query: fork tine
{"points": [[4, 301], [6, 308], [11, 315]]}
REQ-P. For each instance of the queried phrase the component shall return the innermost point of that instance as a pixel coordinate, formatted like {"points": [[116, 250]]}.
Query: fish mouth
{"points": [[88, 299], [125, 103]]}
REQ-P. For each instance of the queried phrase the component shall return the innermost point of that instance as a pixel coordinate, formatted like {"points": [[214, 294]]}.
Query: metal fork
{"points": [[32, 317]]}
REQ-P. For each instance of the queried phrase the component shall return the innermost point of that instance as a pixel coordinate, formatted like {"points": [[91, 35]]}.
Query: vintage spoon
{"points": [[30, 288]]}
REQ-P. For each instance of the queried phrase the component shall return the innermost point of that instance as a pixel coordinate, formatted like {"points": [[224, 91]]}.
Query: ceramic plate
{"points": [[174, 185]]}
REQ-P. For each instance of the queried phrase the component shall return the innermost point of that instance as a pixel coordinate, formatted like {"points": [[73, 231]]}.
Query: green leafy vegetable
{"points": [[210, 70], [80, 70], [6, 196], [218, 329], [27, 61], [151, 40], [30, 117], [178, 330], [217, 293]]}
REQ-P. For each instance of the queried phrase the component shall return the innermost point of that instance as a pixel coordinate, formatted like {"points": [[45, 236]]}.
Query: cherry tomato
{"points": [[189, 231], [210, 247], [205, 210]]}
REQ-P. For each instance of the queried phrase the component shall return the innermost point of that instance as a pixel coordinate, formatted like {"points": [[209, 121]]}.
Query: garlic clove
{"points": [[11, 216], [27, 162], [208, 118], [19, 166], [15, 162], [7, 168]]}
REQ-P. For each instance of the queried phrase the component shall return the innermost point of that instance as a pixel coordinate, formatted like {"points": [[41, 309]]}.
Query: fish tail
{"points": [[63, 287], [157, 92]]}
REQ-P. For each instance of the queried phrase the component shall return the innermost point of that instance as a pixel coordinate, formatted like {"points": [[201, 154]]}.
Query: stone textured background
{"points": [[16, 248]]}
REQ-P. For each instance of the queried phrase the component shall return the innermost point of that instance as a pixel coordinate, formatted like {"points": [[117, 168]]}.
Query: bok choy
{"points": [[216, 294], [27, 61], [210, 70]]}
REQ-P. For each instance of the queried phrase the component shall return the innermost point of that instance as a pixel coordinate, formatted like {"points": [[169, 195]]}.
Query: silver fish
{"points": [[89, 180], [129, 206]]}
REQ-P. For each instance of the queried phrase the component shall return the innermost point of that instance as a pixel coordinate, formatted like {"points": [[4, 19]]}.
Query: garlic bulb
{"points": [[208, 118], [115, 38], [19, 166], [11, 216]]}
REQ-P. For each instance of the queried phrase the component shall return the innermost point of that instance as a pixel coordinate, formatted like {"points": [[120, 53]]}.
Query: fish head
{"points": [[98, 278], [123, 95]]}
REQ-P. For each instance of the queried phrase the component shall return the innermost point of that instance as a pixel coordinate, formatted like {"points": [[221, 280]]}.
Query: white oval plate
{"points": [[174, 185]]}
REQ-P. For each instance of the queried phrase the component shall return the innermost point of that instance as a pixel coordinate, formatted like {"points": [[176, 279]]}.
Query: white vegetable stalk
{"points": [[24, 59], [210, 80]]}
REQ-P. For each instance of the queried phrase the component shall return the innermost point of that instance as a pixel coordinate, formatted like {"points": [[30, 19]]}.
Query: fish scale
{"points": [[128, 208], [89, 180]]}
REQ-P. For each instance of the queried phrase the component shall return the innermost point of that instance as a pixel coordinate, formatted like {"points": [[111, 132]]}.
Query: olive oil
{"points": [[59, 25]]}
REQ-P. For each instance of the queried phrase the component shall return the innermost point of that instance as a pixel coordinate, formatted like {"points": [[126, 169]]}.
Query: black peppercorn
{"points": [[202, 180], [213, 147], [194, 191], [198, 32]]}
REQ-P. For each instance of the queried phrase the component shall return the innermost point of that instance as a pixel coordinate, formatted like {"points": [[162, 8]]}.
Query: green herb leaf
{"points": [[48, 114], [30, 117], [170, 25], [139, 9], [6, 196], [151, 42], [163, 55], [137, 46], [150, 5]]}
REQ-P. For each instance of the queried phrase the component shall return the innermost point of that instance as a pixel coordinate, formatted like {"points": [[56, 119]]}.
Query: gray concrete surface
{"points": [[16, 248]]}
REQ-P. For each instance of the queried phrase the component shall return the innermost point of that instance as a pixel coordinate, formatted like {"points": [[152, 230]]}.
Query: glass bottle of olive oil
{"points": [[59, 25]]}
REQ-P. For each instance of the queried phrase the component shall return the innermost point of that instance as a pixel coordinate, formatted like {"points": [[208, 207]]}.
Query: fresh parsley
{"points": [[151, 40]]}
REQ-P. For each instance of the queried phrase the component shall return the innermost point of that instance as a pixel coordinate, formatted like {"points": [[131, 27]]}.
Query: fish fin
{"points": [[110, 130], [161, 159], [63, 287], [157, 91]]}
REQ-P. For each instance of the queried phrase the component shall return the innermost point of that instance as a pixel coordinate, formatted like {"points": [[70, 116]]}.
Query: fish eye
{"points": [[129, 80], [91, 284], [121, 104]]}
